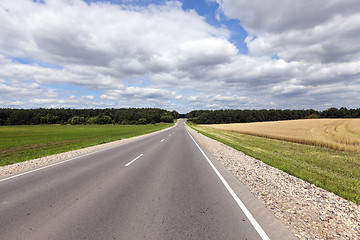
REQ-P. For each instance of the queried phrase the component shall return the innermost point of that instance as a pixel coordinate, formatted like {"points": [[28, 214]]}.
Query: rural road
{"points": [[158, 187]]}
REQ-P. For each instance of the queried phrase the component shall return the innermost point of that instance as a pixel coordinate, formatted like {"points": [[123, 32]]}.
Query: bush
{"points": [[124, 122], [92, 120], [77, 120], [167, 119], [312, 116], [142, 121], [103, 120]]}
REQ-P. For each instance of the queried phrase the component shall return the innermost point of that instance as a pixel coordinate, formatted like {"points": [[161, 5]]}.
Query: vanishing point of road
{"points": [[161, 186]]}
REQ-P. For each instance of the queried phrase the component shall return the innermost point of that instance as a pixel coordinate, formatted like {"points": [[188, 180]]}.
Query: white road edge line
{"points": [[252, 220], [128, 164]]}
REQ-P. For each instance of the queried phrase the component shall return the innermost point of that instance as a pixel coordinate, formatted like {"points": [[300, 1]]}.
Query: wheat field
{"points": [[339, 134]]}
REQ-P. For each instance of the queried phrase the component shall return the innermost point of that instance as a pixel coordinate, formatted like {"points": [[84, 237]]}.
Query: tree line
{"points": [[85, 116], [244, 116], [155, 115]]}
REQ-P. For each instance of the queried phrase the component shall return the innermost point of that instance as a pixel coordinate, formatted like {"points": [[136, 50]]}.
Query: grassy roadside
{"points": [[21, 143], [339, 134], [335, 171]]}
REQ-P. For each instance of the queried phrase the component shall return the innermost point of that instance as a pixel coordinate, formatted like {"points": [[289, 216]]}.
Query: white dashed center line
{"points": [[128, 164]]}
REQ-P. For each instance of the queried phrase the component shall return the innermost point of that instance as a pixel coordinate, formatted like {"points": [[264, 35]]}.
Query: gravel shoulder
{"points": [[307, 211], [18, 168]]}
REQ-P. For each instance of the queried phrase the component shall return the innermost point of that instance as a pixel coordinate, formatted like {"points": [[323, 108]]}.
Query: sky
{"points": [[180, 55]]}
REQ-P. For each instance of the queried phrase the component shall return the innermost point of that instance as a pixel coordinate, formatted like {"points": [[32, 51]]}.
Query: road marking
{"points": [[61, 162], [162, 140], [136, 138], [128, 164], [169, 135], [252, 220]]}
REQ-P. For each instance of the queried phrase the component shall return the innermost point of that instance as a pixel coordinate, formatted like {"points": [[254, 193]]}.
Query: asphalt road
{"points": [[158, 187]]}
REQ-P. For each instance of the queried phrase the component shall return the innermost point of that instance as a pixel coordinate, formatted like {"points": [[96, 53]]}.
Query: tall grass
{"points": [[338, 134]]}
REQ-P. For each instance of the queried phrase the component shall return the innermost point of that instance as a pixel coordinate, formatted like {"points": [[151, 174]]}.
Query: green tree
{"points": [[77, 120], [312, 116], [167, 119], [142, 121]]}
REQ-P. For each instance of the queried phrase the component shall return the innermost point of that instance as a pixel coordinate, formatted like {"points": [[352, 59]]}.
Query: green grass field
{"points": [[21, 143], [335, 171]]}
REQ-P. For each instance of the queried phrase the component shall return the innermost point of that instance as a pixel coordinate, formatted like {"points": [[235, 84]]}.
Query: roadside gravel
{"points": [[308, 211], [17, 168]]}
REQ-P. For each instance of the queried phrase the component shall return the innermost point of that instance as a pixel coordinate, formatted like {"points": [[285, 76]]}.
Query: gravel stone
{"points": [[306, 210]]}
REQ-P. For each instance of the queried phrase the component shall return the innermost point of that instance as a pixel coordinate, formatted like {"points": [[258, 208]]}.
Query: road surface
{"points": [[158, 187]]}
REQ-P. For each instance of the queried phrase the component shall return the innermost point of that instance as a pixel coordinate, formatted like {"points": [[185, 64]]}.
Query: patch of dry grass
{"points": [[338, 134], [335, 171]]}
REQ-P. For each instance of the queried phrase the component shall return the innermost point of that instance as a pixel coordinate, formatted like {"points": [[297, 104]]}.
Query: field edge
{"points": [[323, 178], [19, 157]]}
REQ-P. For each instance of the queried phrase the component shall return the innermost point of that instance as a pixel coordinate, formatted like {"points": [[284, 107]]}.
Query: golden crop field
{"points": [[339, 134]]}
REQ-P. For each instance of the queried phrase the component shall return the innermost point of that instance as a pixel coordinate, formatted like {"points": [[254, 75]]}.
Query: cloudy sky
{"points": [[182, 55]]}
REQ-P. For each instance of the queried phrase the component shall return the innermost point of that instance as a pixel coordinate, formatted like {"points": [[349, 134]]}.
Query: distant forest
{"points": [[244, 116], [85, 116], [155, 115]]}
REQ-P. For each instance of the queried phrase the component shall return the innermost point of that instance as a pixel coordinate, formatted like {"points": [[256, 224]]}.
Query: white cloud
{"points": [[132, 40], [292, 86], [220, 101], [23, 91], [88, 97], [317, 42], [206, 52], [60, 103], [312, 31], [137, 93], [12, 104], [111, 48], [20, 94], [285, 15]]}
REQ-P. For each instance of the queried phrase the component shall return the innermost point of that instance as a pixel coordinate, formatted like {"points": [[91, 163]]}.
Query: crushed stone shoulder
{"points": [[309, 212]]}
